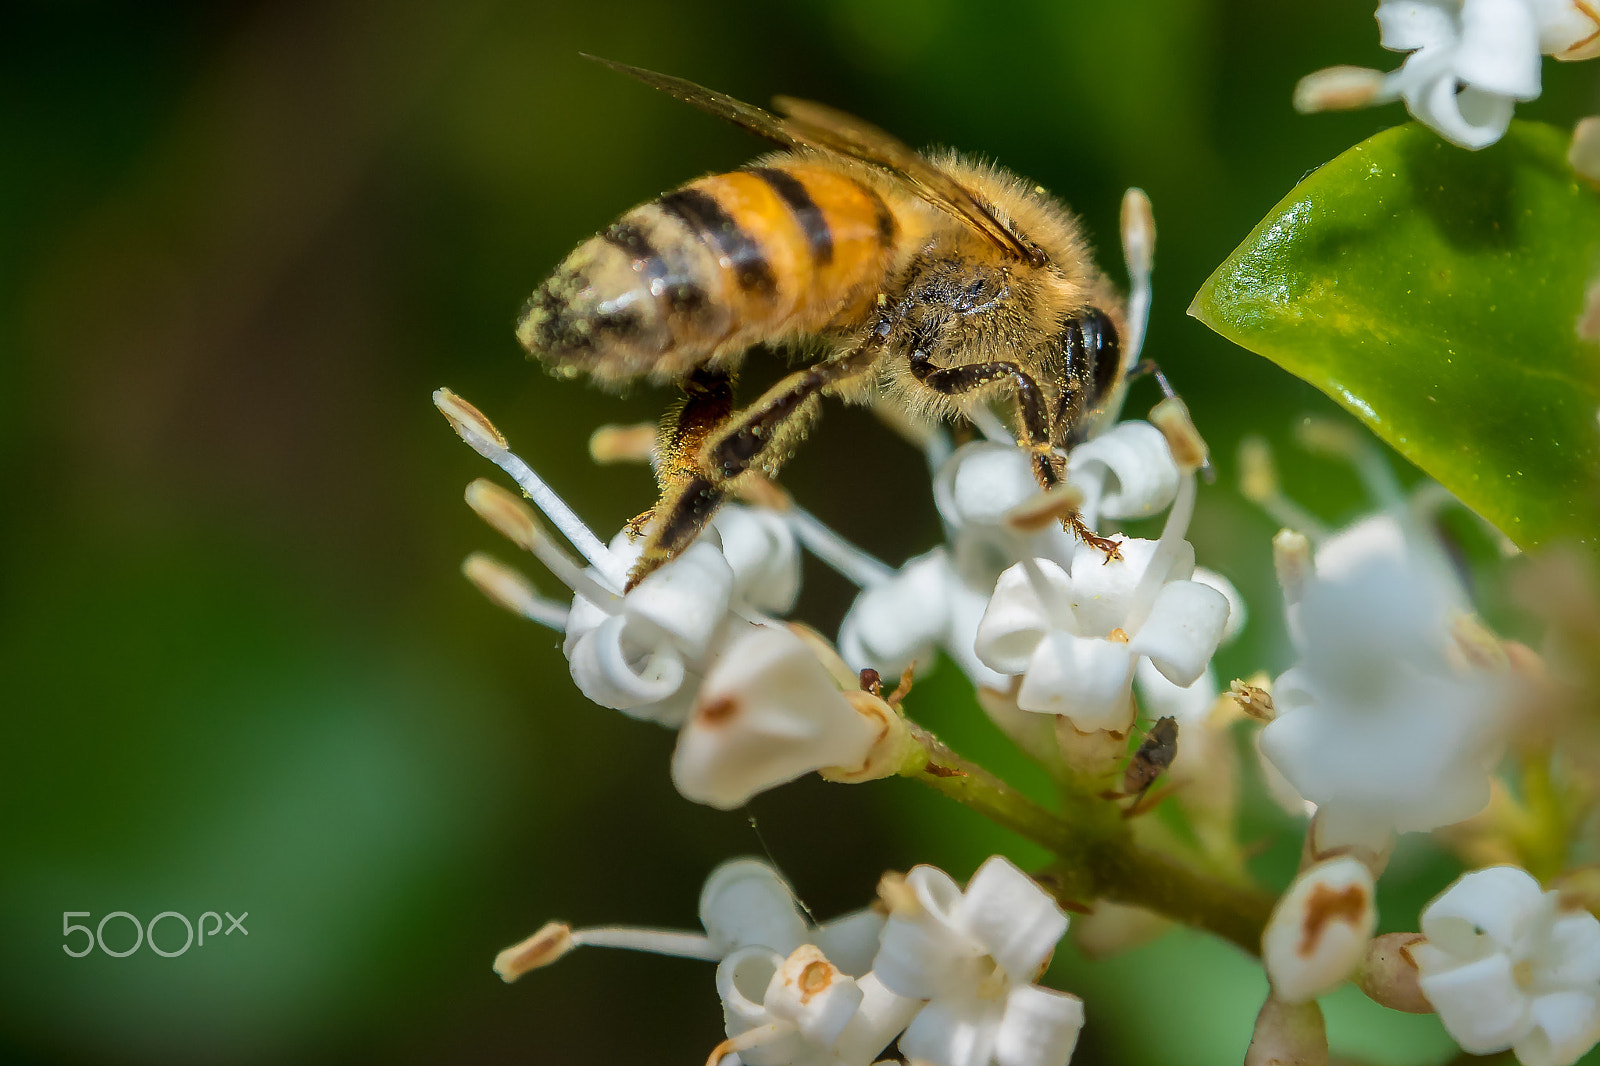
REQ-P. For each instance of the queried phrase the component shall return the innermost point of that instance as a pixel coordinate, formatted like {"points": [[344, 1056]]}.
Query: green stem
{"points": [[1098, 858]]}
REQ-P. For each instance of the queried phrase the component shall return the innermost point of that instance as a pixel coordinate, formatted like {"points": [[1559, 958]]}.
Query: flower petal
{"points": [[810, 992], [880, 1018], [742, 981], [928, 954], [851, 940], [1565, 1026], [1570, 954], [1160, 698], [1479, 1003], [1132, 468], [953, 1032], [1466, 117], [1089, 680], [896, 624], [1015, 621], [686, 599], [1183, 630], [1014, 919], [1499, 48], [1568, 29], [635, 682], [1487, 910], [1406, 25], [767, 712], [745, 902], [1103, 589], [1040, 1027], [761, 549]]}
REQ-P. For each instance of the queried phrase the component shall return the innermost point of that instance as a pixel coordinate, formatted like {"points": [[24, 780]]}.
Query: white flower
{"points": [[937, 600], [1506, 967], [803, 1011], [1376, 724], [767, 712], [974, 956], [744, 903], [1470, 62], [688, 647], [1076, 640], [1319, 930]]}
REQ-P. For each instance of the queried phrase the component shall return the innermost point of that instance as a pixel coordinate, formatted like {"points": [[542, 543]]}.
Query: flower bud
{"points": [[1288, 1034], [1388, 974], [1319, 930]]}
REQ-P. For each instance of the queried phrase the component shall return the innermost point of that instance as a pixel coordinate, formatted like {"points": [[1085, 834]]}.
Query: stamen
{"points": [[1324, 436], [471, 425], [1291, 559], [1341, 88], [506, 587], [1161, 560], [1138, 251], [1054, 505], [1171, 417], [515, 520], [990, 425], [1258, 483], [540, 949], [849, 561], [655, 941], [750, 1038], [623, 444]]}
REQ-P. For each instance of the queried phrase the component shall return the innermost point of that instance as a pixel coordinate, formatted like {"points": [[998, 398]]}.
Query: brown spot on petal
{"points": [[816, 977], [1330, 905], [717, 711]]}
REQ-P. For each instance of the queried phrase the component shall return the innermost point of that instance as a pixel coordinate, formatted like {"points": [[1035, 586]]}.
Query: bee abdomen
{"points": [[711, 268]]}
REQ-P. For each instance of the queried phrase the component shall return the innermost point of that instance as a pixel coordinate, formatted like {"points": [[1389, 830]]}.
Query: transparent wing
{"points": [[805, 124]]}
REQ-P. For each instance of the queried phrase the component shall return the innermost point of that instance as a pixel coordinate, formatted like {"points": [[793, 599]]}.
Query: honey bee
{"points": [[935, 283]]}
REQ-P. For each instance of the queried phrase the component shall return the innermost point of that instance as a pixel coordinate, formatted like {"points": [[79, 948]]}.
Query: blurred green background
{"points": [[243, 241]]}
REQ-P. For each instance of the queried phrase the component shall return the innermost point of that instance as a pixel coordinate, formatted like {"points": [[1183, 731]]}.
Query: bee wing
{"points": [[805, 124]]}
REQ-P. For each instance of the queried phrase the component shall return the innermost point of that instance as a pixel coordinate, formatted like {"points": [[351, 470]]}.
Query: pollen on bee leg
{"points": [[1341, 88], [506, 587], [623, 444]]}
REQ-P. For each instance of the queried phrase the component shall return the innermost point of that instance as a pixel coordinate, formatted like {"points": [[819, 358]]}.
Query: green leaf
{"points": [[1434, 292]]}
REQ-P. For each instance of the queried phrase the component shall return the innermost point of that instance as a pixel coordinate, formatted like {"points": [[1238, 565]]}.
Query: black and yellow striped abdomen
{"points": [[707, 270]]}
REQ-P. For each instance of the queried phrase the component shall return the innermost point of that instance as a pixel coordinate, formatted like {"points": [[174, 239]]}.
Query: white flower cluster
{"points": [[1470, 62], [950, 973], [691, 646], [1384, 723]]}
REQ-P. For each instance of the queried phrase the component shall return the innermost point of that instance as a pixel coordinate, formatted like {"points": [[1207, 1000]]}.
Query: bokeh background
{"points": [[242, 242]]}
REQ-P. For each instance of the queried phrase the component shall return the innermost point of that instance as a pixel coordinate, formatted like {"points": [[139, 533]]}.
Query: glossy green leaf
{"points": [[1434, 292]]}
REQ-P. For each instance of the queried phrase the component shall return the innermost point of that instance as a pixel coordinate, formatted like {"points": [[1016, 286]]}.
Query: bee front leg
{"points": [[731, 445], [1049, 466]]}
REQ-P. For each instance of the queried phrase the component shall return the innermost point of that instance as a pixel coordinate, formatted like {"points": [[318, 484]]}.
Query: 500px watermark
{"points": [[146, 934]]}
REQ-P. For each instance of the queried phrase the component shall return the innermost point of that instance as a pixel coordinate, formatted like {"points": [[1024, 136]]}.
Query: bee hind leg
{"points": [[721, 446]]}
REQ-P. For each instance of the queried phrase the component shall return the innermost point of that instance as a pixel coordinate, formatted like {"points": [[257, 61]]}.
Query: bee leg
{"points": [[710, 456], [707, 401], [1048, 465]]}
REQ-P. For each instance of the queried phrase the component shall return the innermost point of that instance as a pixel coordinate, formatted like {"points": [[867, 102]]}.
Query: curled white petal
{"points": [[1407, 25], [881, 1016], [1319, 930], [635, 680], [851, 940], [1015, 620], [981, 481], [1088, 679], [1126, 472], [767, 712], [928, 954], [1565, 1026], [953, 1032], [1568, 29], [744, 903], [1498, 52], [896, 624], [1015, 920], [1183, 630], [1479, 1004], [685, 600], [1040, 1027], [1237, 615], [761, 549], [1160, 698], [1489, 910], [1104, 591], [742, 981]]}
